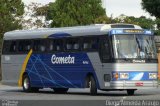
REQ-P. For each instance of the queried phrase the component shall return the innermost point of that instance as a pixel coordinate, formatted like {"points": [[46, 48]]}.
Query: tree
{"points": [[142, 21], [74, 12], [104, 20], [11, 12], [153, 7], [10, 16], [157, 21], [34, 16]]}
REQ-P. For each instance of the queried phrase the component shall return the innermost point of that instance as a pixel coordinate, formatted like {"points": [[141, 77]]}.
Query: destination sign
{"points": [[133, 31]]}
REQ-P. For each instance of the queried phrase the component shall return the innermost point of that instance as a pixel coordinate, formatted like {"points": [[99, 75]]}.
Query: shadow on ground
{"points": [[107, 93]]}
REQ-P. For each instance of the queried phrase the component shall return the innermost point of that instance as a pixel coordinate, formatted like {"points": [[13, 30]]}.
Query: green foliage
{"points": [[10, 12], [104, 20], [34, 16], [74, 12], [142, 21], [157, 32], [152, 6], [158, 23], [41, 11]]}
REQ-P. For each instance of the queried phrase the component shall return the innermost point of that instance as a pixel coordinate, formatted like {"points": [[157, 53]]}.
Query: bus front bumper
{"points": [[133, 84]]}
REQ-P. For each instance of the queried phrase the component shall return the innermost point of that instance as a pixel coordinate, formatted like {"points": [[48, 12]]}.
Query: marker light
{"points": [[124, 75], [152, 75]]}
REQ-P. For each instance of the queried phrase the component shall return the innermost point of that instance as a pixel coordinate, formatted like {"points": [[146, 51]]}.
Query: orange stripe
{"points": [[24, 67]]}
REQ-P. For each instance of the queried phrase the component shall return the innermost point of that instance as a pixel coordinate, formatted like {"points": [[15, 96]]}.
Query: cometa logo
{"points": [[62, 60], [139, 61]]}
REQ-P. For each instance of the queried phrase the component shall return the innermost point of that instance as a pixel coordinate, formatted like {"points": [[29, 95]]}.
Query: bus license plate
{"points": [[139, 84]]}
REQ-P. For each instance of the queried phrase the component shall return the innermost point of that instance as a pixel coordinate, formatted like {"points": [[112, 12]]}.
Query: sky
{"points": [[113, 7]]}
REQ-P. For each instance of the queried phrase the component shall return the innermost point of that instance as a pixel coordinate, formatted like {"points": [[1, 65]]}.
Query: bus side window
{"points": [[69, 45], [72, 44], [27, 45], [90, 43], [13, 47], [39, 45], [76, 46], [55, 45], [6, 47], [24, 46], [58, 45], [105, 50], [51, 45]]}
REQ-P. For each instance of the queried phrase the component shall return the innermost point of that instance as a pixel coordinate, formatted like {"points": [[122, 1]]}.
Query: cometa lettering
{"points": [[139, 61], [62, 60]]}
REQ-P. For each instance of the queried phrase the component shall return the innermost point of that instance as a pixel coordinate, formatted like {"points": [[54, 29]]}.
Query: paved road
{"points": [[15, 93]]}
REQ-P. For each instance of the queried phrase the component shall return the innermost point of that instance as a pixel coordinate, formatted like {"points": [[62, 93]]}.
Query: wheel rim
{"points": [[26, 83], [90, 83]]}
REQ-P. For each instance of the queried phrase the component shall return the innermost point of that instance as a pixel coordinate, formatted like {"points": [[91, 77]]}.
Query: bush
{"points": [[156, 32]]}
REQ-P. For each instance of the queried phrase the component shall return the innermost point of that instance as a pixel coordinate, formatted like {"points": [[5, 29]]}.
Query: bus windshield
{"points": [[134, 46]]}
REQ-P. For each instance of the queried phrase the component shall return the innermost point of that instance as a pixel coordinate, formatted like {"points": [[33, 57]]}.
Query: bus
{"points": [[108, 57]]}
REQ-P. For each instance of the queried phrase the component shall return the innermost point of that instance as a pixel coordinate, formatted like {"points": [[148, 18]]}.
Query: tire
{"points": [[92, 86], [130, 92], [60, 90], [26, 84]]}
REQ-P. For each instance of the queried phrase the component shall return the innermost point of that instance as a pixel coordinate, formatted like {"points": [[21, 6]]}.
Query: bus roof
{"points": [[97, 29]]}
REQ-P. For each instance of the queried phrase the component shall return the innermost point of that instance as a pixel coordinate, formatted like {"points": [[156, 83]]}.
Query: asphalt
{"points": [[16, 93], [14, 96]]}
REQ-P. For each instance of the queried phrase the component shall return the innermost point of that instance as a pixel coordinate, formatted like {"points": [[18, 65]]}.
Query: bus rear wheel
{"points": [[92, 86], [27, 85], [130, 92], [60, 90]]}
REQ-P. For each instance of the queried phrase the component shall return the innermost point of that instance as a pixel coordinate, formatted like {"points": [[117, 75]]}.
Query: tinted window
{"points": [[56, 45], [90, 43], [72, 44], [13, 47], [105, 52], [6, 46], [24, 46], [39, 45]]}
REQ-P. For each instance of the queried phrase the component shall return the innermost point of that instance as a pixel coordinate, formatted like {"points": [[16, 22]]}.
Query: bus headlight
{"points": [[124, 75], [152, 75]]}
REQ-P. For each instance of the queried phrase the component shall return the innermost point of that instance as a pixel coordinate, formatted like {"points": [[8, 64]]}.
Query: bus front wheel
{"points": [[92, 86]]}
